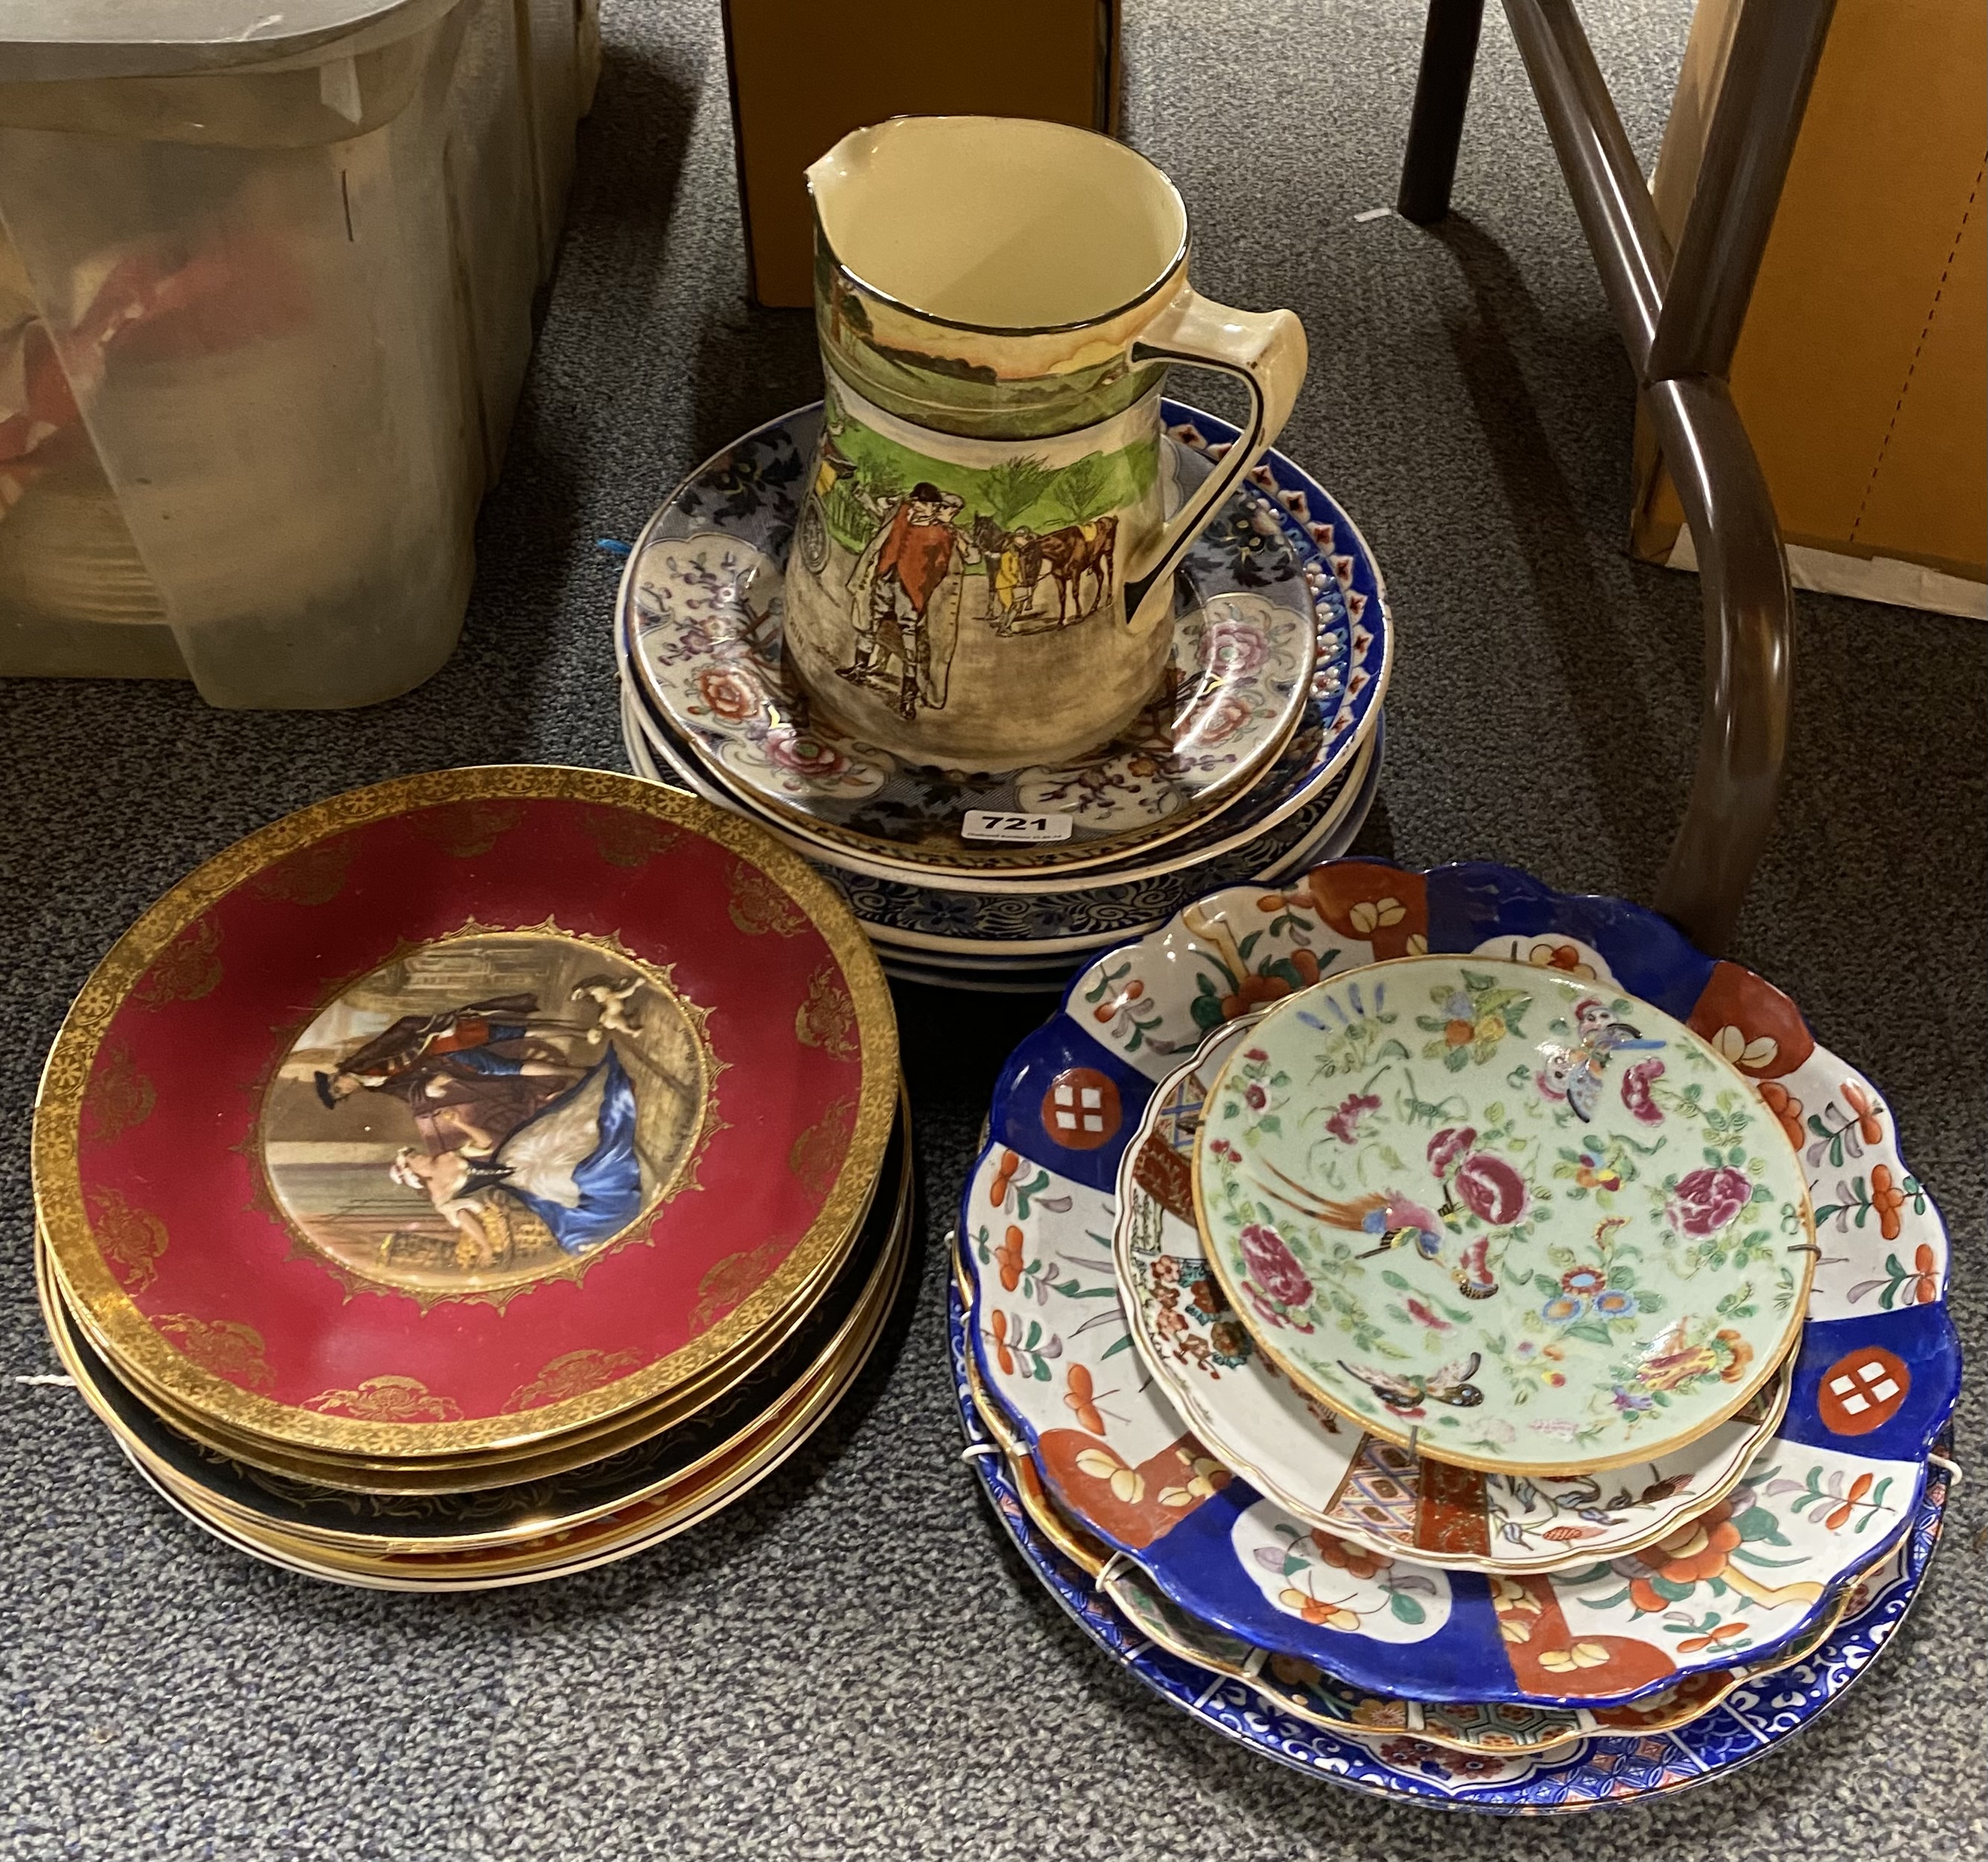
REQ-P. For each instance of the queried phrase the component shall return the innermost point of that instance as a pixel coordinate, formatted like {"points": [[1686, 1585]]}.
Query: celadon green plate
{"points": [[1511, 1219]]}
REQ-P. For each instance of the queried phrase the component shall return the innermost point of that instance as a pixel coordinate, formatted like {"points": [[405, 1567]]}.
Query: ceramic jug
{"points": [[982, 573]]}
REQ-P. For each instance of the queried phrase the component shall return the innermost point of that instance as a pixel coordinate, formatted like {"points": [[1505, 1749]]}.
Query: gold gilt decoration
{"points": [[186, 969], [759, 905], [677, 1117], [119, 1096], [225, 1348], [816, 1156], [315, 876], [572, 1375], [466, 829], [726, 1282], [387, 1399], [59, 1127], [130, 1239], [626, 839], [826, 1018]]}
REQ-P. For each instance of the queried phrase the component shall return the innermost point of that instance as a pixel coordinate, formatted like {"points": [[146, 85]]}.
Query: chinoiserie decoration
{"points": [[1456, 1338], [1257, 752]]}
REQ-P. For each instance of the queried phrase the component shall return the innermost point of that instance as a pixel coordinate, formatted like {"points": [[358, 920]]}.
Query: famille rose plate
{"points": [[1874, 1380], [1281, 656], [1516, 1219], [1607, 1766], [462, 1111], [1364, 1488]]}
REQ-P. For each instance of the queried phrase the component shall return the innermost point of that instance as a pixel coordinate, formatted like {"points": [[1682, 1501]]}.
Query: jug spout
{"points": [[1002, 224], [841, 168]]}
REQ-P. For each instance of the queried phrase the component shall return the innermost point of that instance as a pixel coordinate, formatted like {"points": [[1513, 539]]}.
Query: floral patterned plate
{"points": [[1052, 931], [1516, 1219], [1285, 647], [1307, 1693], [1598, 1769], [1049, 924], [1360, 1487], [1074, 924], [1501, 1728], [1875, 1382]]}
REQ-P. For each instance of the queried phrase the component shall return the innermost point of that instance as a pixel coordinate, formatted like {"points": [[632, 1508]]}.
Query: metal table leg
{"points": [[1679, 317]]}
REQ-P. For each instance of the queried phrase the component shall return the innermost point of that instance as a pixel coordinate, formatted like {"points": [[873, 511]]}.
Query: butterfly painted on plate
{"points": [[1405, 1392], [1574, 1074]]}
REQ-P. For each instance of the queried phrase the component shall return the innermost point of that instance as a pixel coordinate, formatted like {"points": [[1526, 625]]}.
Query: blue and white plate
{"points": [[1050, 976], [1282, 539], [1071, 925], [1052, 931], [1584, 1774], [1874, 1380]]}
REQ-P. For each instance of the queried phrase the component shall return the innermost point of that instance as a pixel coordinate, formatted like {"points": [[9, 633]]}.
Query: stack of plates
{"points": [[1262, 758], [1457, 1338], [474, 1178]]}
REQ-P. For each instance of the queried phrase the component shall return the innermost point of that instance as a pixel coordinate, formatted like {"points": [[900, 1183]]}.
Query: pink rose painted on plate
{"points": [[730, 694], [1492, 1190], [1344, 1124], [1636, 1085], [1232, 649], [1448, 1146], [1274, 1267], [796, 750], [1706, 1201], [1219, 722]]}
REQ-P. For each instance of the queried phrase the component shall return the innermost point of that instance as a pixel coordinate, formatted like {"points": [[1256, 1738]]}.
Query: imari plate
{"points": [[1517, 1220], [1282, 656], [1874, 1382], [453, 1114], [1503, 1728], [1307, 1458], [1599, 1770]]}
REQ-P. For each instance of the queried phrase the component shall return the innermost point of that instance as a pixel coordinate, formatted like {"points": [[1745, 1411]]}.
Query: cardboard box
{"points": [[804, 73], [1862, 369]]}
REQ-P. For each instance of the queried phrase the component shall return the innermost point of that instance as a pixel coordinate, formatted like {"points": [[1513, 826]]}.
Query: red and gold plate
{"points": [[454, 1113]]}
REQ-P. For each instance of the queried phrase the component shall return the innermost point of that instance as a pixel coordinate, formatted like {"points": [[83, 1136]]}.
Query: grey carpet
{"points": [[848, 1664]]}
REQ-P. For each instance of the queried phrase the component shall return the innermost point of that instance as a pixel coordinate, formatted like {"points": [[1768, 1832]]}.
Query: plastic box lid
{"points": [[56, 40]]}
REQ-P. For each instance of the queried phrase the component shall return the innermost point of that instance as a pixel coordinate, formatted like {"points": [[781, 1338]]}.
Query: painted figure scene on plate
{"points": [[486, 1112]]}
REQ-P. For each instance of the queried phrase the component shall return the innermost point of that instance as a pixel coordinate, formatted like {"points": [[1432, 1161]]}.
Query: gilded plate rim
{"points": [[1767, 1363], [55, 1168], [791, 1429]]}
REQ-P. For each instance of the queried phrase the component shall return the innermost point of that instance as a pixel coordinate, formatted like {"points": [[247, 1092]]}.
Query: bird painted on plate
{"points": [[1391, 1221], [1406, 1392], [1574, 1073], [1398, 1221]]}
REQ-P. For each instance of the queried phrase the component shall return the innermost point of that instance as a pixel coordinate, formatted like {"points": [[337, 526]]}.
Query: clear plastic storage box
{"points": [[266, 282]]}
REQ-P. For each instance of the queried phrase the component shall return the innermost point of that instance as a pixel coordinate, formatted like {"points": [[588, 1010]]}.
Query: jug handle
{"points": [[1263, 350]]}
